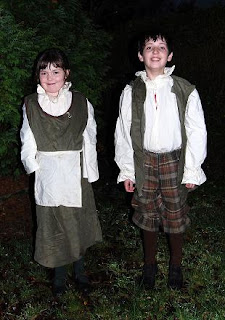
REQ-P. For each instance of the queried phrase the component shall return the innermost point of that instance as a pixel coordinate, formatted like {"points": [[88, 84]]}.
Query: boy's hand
{"points": [[129, 185], [190, 185]]}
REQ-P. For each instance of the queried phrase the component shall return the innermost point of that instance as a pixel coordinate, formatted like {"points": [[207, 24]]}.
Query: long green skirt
{"points": [[64, 233]]}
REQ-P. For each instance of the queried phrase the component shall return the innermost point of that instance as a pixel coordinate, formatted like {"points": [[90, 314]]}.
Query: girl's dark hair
{"points": [[53, 56], [154, 35]]}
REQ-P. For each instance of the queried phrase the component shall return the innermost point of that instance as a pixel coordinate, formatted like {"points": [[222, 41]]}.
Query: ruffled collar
{"points": [[55, 106], [62, 91], [167, 72]]}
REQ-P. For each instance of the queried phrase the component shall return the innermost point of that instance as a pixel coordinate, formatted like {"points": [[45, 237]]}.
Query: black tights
{"points": [[175, 241]]}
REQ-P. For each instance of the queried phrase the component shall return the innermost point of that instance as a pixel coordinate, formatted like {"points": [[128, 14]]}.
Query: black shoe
{"points": [[175, 280], [148, 276], [83, 283], [80, 277], [58, 290], [59, 281]]}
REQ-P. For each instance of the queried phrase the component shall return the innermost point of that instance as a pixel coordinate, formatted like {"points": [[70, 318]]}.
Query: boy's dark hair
{"points": [[53, 56], [154, 35]]}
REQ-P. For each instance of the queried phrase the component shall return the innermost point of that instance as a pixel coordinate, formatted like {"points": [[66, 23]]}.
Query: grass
{"points": [[115, 265]]}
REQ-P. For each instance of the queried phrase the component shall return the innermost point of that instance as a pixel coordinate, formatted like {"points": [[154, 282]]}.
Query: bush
{"points": [[17, 52], [28, 27]]}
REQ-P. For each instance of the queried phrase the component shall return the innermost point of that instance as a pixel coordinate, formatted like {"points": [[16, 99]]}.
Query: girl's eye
{"points": [[42, 73]]}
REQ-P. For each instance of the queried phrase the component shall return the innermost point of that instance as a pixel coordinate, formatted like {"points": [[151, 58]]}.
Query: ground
{"points": [[15, 208], [115, 265]]}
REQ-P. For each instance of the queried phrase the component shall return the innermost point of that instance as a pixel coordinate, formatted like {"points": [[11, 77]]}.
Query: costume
{"points": [[165, 118], [58, 143]]}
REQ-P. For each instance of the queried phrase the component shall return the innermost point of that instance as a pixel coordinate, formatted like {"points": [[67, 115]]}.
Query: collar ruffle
{"points": [[62, 91], [58, 105], [167, 72]]}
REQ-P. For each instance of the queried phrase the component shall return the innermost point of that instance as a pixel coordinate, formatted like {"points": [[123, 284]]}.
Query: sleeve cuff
{"points": [[195, 176], [30, 165], [124, 175]]}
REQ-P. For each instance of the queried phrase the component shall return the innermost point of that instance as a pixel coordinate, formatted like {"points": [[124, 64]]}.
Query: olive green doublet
{"points": [[60, 133], [182, 89], [63, 233]]}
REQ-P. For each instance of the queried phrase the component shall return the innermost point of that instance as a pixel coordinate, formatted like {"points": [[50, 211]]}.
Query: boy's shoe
{"points": [[148, 275], [175, 280]]}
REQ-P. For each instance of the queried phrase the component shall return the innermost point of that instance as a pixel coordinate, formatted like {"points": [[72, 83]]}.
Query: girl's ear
{"points": [[170, 56], [67, 72], [140, 57]]}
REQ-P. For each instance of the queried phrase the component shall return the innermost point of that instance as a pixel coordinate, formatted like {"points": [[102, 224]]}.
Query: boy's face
{"points": [[155, 56], [52, 79]]}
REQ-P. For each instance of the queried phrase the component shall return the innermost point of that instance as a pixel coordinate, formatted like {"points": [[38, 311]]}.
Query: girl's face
{"points": [[52, 79]]}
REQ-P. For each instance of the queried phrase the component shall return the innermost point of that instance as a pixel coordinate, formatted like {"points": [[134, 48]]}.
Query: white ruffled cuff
{"points": [[30, 165], [195, 176], [124, 175]]}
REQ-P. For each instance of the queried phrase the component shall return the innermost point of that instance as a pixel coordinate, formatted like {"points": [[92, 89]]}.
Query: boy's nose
{"points": [[155, 50]]}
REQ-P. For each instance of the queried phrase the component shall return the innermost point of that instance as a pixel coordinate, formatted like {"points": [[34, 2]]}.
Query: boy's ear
{"points": [[170, 56], [140, 56]]}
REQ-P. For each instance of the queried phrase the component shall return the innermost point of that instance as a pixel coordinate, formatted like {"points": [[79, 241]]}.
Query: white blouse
{"points": [[162, 128], [58, 174]]}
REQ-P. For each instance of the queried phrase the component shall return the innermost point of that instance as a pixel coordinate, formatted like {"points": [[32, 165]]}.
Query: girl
{"points": [[58, 138]]}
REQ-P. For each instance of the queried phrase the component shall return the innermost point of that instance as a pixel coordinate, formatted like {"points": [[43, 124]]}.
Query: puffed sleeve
{"points": [[29, 146], [123, 144], [196, 141], [90, 164]]}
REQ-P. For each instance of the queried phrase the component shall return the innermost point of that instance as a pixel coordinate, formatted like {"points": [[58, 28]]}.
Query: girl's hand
{"points": [[190, 185], [129, 185]]}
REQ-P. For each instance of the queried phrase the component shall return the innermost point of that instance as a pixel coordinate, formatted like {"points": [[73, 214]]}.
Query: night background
{"points": [[100, 39]]}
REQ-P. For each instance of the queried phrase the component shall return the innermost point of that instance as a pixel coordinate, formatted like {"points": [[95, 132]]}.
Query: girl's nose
{"points": [[49, 75]]}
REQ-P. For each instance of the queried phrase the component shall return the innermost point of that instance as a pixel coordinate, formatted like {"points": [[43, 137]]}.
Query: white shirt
{"points": [[162, 128], [58, 174]]}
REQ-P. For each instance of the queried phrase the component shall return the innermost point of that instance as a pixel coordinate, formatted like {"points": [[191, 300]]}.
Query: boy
{"points": [[160, 145]]}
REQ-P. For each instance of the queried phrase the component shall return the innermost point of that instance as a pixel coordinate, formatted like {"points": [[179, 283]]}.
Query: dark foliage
{"points": [[28, 27], [199, 40]]}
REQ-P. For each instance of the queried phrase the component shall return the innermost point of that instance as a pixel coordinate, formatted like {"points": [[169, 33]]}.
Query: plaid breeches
{"points": [[160, 205]]}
